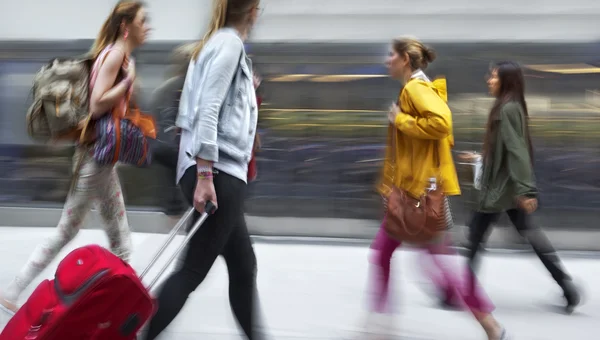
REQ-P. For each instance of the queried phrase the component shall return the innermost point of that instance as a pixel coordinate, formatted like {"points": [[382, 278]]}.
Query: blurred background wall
{"points": [[319, 20], [326, 92]]}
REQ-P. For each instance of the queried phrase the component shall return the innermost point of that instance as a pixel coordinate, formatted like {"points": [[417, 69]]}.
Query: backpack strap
{"points": [[100, 61], [93, 76]]}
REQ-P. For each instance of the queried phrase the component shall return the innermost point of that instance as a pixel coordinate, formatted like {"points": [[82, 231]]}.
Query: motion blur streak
{"points": [[324, 120]]}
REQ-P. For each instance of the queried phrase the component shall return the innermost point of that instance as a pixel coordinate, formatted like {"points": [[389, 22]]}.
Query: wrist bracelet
{"points": [[204, 172], [205, 175], [200, 169]]}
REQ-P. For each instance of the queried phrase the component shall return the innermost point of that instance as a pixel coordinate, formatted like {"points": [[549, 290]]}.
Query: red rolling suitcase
{"points": [[94, 296]]}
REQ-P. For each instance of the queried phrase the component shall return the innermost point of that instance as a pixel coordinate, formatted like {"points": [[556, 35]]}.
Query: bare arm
{"points": [[105, 93]]}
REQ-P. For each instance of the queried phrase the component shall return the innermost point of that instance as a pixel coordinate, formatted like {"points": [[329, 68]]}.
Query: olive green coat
{"points": [[508, 171]]}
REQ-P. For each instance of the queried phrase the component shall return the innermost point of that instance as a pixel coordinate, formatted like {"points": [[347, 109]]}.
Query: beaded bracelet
{"points": [[204, 168], [205, 175]]}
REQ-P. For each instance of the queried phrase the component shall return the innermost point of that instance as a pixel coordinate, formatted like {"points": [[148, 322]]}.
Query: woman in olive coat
{"points": [[508, 180]]}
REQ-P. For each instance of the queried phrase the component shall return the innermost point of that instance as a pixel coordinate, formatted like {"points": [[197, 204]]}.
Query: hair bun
{"points": [[429, 54]]}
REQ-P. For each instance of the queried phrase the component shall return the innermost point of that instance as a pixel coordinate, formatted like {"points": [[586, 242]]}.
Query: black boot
{"points": [[572, 296]]}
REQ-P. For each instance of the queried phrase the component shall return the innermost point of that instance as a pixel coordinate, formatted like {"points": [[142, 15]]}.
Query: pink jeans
{"points": [[384, 247]]}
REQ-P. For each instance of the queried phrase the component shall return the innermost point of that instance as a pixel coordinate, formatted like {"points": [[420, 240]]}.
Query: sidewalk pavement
{"points": [[148, 221], [318, 292]]}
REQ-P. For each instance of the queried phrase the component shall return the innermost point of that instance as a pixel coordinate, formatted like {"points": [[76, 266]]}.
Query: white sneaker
{"points": [[504, 335]]}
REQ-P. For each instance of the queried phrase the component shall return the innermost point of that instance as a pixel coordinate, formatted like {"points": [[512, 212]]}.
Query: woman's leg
{"points": [[475, 299], [384, 247], [480, 224], [112, 209], [76, 207], [478, 230], [202, 251], [446, 293], [241, 266], [547, 254]]}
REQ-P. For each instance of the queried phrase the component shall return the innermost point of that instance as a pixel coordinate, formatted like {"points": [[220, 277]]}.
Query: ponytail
{"points": [[217, 21]]}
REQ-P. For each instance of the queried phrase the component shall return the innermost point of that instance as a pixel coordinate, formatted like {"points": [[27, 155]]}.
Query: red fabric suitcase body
{"points": [[252, 171], [94, 295]]}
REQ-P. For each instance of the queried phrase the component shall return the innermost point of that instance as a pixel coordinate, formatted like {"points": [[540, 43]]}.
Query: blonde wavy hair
{"points": [[225, 12]]}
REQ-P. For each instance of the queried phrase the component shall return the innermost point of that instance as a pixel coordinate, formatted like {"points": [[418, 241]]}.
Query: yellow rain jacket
{"points": [[424, 141]]}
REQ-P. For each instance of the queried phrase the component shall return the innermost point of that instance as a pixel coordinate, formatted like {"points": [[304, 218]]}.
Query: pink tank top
{"points": [[123, 102]]}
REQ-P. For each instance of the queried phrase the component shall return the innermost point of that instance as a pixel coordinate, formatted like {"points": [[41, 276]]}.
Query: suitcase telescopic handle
{"points": [[209, 209]]}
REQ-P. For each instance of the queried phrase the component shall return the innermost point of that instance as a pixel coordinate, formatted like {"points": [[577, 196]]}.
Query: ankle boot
{"points": [[572, 296]]}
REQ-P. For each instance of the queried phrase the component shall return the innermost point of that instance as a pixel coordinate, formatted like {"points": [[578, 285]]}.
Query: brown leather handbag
{"points": [[415, 220]]}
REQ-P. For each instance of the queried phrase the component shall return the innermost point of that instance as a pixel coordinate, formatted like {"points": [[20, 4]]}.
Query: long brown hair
{"points": [[225, 12], [512, 88], [124, 12]]}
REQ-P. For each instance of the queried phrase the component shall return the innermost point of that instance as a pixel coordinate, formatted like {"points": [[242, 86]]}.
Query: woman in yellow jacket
{"points": [[421, 127]]}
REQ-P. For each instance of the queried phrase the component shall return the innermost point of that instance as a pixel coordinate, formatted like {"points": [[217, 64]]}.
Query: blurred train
{"points": [[323, 125]]}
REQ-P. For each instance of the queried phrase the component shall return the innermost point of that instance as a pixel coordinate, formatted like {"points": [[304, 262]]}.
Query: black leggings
{"points": [[533, 234], [223, 233]]}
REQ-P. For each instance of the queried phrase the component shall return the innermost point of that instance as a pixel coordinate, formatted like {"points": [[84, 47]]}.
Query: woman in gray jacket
{"points": [[217, 117]]}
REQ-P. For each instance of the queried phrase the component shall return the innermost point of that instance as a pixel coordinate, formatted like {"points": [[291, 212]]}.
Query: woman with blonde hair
{"points": [[124, 30], [217, 116], [421, 130]]}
